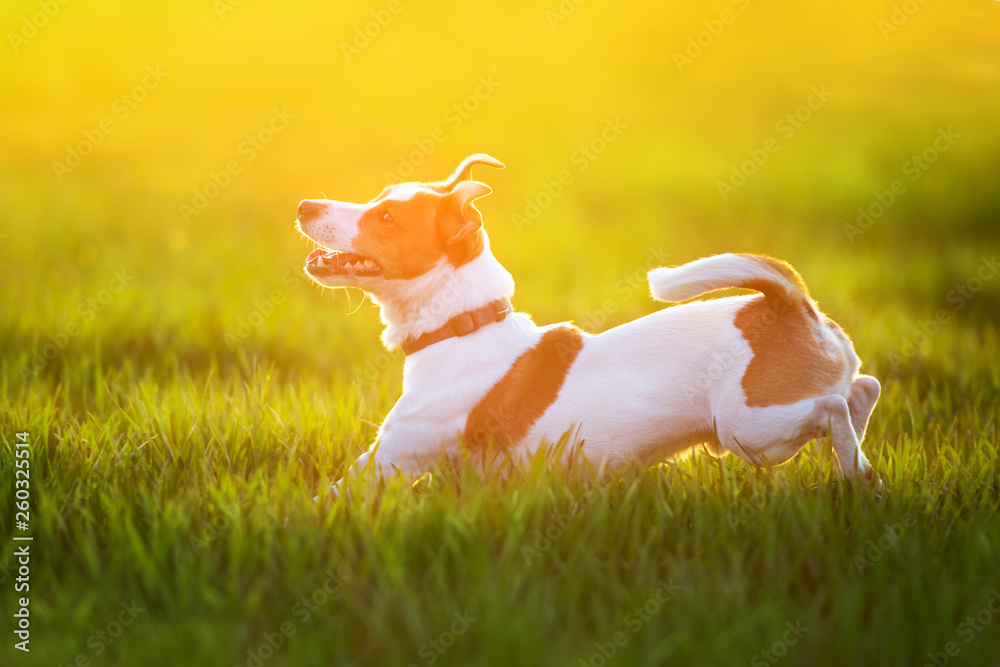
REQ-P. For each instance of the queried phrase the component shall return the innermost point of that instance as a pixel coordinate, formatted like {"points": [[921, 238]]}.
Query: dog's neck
{"points": [[414, 307]]}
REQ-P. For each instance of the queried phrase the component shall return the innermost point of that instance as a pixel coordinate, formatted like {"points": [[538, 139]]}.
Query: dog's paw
{"points": [[878, 486], [867, 479]]}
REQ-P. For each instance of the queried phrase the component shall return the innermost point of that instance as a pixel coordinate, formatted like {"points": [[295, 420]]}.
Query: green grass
{"points": [[164, 464], [180, 411]]}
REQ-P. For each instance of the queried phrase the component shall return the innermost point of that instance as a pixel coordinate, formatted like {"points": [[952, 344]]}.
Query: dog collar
{"points": [[462, 324]]}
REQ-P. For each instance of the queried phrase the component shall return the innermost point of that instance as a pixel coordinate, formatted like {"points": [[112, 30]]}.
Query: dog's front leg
{"points": [[359, 469], [408, 443], [376, 465]]}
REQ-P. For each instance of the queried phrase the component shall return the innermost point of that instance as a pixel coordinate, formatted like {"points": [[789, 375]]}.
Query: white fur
{"points": [[337, 226], [413, 307], [645, 390], [406, 191], [679, 283]]}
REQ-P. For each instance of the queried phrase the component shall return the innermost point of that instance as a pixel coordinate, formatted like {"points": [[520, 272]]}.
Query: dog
{"points": [[757, 375]]}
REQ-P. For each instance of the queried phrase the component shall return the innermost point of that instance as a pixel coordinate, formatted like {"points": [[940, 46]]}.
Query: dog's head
{"points": [[408, 230]]}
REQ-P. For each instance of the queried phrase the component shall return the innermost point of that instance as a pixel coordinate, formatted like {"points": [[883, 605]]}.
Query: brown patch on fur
{"points": [[412, 244], [789, 364], [771, 289], [782, 267], [469, 247], [521, 396]]}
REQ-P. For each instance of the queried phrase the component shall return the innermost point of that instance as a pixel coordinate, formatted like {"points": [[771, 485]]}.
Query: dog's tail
{"points": [[774, 278]]}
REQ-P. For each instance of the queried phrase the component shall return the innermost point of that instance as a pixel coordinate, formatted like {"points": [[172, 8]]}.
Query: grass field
{"points": [[185, 388]]}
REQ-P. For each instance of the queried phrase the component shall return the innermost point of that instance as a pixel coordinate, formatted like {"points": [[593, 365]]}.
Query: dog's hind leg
{"points": [[865, 391], [832, 417], [767, 436]]}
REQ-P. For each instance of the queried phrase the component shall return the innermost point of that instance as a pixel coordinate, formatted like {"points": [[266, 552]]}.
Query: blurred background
{"points": [[175, 141], [160, 342]]}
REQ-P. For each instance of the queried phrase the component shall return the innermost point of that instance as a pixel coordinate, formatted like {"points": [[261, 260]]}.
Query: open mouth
{"points": [[340, 263]]}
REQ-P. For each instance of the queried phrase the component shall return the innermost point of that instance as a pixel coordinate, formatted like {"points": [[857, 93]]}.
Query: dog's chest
{"points": [[490, 387]]}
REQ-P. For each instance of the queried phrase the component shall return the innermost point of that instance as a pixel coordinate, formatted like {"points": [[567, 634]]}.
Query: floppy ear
{"points": [[462, 217], [464, 171]]}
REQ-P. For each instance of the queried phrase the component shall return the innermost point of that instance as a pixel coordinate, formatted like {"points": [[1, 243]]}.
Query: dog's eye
{"points": [[387, 217]]}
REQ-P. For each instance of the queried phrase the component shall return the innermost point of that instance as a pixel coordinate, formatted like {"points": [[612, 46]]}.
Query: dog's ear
{"points": [[464, 171], [462, 217]]}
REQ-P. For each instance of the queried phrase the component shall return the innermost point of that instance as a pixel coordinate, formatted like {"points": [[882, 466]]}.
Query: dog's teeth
{"points": [[370, 265], [319, 260]]}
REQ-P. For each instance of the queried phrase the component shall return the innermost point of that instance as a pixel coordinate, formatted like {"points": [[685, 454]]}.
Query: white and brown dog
{"points": [[757, 375]]}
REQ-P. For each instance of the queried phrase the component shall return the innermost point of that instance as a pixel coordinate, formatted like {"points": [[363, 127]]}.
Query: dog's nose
{"points": [[309, 209]]}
